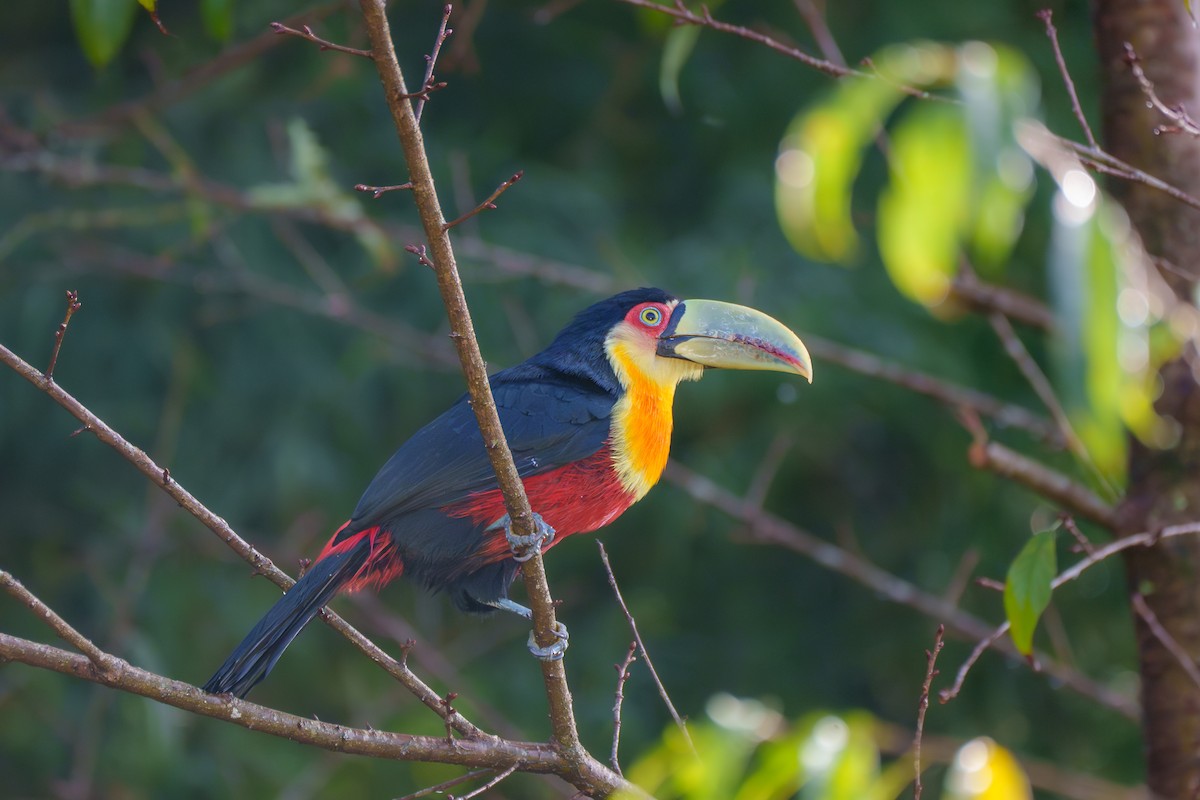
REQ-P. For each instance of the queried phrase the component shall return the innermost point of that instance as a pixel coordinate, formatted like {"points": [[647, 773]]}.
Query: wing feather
{"points": [[549, 421]]}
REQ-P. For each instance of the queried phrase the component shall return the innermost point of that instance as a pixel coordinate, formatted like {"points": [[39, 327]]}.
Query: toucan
{"points": [[588, 420]]}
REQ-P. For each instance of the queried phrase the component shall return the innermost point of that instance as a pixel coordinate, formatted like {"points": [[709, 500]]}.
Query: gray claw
{"points": [[524, 547], [554, 651]]}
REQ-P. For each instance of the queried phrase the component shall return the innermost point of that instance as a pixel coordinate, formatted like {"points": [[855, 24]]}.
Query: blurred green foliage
{"points": [[242, 322]]}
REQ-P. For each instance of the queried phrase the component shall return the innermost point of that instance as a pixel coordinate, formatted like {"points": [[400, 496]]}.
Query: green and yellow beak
{"points": [[729, 336]]}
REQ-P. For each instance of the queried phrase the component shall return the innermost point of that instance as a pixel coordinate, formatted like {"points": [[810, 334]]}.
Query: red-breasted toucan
{"points": [[589, 423]]}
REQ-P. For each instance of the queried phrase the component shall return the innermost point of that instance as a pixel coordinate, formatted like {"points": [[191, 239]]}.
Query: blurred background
{"points": [[256, 326]]}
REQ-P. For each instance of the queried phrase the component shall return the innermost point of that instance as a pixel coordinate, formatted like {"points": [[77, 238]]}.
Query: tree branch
{"points": [[637, 637], [951, 394], [162, 478], [923, 706], [119, 674], [766, 528], [585, 771], [1144, 539], [1037, 477], [48, 615]]}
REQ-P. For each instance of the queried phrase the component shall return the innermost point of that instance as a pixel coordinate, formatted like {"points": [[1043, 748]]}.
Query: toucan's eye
{"points": [[651, 316]]}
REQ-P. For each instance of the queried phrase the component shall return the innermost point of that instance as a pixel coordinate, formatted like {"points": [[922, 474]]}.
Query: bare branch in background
{"points": [[622, 676], [488, 204], [766, 528], [1037, 379], [427, 83], [1143, 610], [586, 773], [380, 191], [1053, 485], [1144, 539], [1181, 120], [484, 751], [684, 15], [262, 565], [923, 706], [306, 32], [48, 615], [1047, 17], [951, 394], [637, 637], [73, 305]]}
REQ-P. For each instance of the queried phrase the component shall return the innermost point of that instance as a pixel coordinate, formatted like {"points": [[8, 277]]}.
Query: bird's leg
{"points": [[523, 547], [551, 652]]}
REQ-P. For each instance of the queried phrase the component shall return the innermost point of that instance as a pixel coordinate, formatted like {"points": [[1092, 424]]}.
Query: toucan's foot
{"points": [[524, 547], [551, 652], [556, 649]]}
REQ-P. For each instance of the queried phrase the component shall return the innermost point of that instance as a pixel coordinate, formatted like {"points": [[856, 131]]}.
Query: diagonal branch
{"points": [[1051, 484], [119, 674], [587, 773], [48, 615], [766, 528], [951, 394], [637, 637], [162, 478], [1143, 539]]}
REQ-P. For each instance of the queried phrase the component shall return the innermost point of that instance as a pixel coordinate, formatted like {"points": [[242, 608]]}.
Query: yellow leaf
{"points": [[983, 770]]}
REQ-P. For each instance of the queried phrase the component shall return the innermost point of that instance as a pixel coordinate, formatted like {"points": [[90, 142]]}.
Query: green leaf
{"points": [[102, 26], [822, 152], [1027, 588], [923, 210], [218, 18], [149, 5]]}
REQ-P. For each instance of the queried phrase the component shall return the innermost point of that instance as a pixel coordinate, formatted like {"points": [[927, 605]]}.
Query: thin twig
{"points": [[769, 529], [1144, 539], [480, 790], [1176, 113], [1047, 16], [1049, 483], [46, 614], [234, 57], [444, 785], [1103, 161], [1084, 543], [951, 394], [980, 296], [488, 204], [946, 695], [262, 565], [815, 20], [1037, 379], [306, 32], [923, 706], [1164, 637], [622, 677], [486, 751], [60, 333], [379, 191], [662, 690], [585, 772], [705, 19], [431, 61]]}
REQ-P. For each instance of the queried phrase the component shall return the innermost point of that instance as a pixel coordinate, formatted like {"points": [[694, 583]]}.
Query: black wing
{"points": [[549, 420]]}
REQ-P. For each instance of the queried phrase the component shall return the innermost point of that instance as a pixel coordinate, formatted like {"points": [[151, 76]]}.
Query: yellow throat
{"points": [[641, 421]]}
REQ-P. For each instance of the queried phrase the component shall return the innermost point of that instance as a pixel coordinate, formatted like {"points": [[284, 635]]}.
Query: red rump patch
{"points": [[578, 498], [382, 565]]}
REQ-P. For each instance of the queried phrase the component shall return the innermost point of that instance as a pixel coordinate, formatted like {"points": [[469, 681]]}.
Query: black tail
{"points": [[253, 659]]}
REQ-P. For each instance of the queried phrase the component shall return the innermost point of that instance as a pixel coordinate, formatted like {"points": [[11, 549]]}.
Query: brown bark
{"points": [[1164, 485]]}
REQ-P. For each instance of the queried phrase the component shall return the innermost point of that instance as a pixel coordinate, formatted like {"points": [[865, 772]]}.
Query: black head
{"points": [[578, 349]]}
